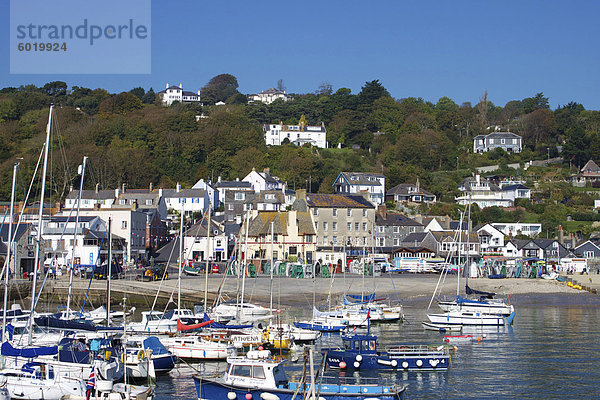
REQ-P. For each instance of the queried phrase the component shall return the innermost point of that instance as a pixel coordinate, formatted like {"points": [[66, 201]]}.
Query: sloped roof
{"points": [[185, 193], [591, 167], [17, 232], [452, 237], [502, 135], [361, 178], [82, 218], [92, 194], [416, 237], [261, 224], [514, 187], [337, 200], [403, 188], [395, 220], [233, 184], [199, 228]]}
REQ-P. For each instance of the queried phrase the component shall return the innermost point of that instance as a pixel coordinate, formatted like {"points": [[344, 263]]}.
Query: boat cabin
{"points": [[360, 343], [259, 373], [32, 370]]}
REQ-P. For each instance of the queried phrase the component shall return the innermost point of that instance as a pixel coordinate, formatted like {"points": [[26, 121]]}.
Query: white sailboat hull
{"points": [[465, 318]]}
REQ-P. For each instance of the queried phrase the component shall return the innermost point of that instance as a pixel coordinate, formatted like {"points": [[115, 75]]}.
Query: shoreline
{"points": [[290, 292]]}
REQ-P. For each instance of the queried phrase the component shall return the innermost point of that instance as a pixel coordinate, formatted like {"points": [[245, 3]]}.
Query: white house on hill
{"points": [[299, 135], [357, 182], [270, 95], [174, 93], [507, 141]]}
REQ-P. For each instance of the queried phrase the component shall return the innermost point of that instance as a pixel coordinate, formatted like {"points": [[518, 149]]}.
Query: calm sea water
{"points": [[551, 352]]}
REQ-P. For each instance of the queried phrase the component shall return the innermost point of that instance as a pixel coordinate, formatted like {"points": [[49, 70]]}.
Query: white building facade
{"points": [[315, 135], [174, 93]]}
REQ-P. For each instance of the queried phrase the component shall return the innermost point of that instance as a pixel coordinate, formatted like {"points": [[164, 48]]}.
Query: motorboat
{"points": [[257, 376], [37, 380]]}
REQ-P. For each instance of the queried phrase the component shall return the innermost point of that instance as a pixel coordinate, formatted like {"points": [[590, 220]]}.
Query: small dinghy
{"points": [[441, 327], [457, 338]]}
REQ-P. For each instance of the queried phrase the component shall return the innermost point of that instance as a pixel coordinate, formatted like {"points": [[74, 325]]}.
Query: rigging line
{"points": [[92, 276], [160, 284], [54, 255]]}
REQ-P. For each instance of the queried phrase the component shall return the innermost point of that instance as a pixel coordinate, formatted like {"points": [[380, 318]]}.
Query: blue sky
{"points": [[429, 49]]}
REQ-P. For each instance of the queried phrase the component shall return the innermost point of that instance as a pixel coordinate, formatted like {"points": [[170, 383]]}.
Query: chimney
{"points": [[180, 87], [573, 241], [123, 186], [117, 193], [219, 178], [134, 205], [382, 211], [561, 235], [58, 207], [167, 85], [97, 188], [151, 187], [71, 188], [178, 187], [301, 194], [198, 93], [267, 171], [418, 184], [160, 192]]}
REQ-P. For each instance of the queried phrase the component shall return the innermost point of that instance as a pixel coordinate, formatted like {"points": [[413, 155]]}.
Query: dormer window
{"points": [[240, 196]]}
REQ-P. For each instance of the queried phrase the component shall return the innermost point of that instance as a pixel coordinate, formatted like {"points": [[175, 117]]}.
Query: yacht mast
{"points": [[39, 232], [207, 258], [75, 238], [109, 268], [10, 242], [245, 264], [180, 258]]}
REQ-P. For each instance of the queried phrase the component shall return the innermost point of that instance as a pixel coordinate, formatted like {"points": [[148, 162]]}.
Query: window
{"points": [[258, 372], [588, 254], [325, 241], [240, 196], [364, 240], [396, 229], [334, 226], [364, 213], [349, 226], [335, 212], [324, 225], [356, 226], [396, 242], [148, 202], [293, 250], [275, 254], [364, 226], [122, 201], [316, 212], [218, 242], [242, 370], [349, 212], [380, 242], [230, 207], [123, 224], [269, 196], [381, 229], [308, 239]]}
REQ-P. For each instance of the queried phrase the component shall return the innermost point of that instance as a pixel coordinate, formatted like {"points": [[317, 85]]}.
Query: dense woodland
{"points": [[131, 138]]}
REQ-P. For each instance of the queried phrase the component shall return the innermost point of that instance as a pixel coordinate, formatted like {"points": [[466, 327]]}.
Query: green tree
{"points": [[219, 88], [139, 92], [576, 148], [539, 102], [372, 91], [8, 110], [122, 103], [149, 97]]}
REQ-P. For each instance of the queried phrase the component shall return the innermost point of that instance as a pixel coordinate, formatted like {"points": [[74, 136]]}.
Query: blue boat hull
{"points": [[320, 328], [163, 363], [207, 389], [401, 362]]}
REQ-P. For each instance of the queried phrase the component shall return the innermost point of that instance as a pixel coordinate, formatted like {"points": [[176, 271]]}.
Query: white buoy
{"points": [[356, 364], [231, 395]]}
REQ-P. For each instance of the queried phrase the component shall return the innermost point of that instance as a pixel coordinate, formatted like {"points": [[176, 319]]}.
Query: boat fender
{"points": [[356, 364], [107, 355], [248, 396], [434, 363], [123, 357], [419, 363], [141, 355], [342, 364], [231, 396], [269, 396], [404, 364], [359, 358], [394, 363]]}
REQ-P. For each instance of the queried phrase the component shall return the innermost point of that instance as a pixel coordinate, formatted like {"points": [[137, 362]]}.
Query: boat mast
{"points": [[468, 262], [39, 232], [245, 264], [272, 266], [462, 215], [10, 242], [109, 268], [75, 239], [180, 259], [207, 258]]}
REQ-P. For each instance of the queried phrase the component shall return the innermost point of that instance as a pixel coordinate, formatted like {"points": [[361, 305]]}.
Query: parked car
{"points": [[153, 273]]}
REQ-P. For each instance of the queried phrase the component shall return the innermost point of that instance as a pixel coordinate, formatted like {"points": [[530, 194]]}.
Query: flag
{"points": [[91, 383]]}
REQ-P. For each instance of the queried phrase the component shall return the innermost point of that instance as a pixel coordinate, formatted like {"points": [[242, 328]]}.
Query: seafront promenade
{"points": [[292, 292]]}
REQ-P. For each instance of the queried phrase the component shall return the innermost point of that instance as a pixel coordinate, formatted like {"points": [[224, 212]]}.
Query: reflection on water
{"points": [[550, 353]]}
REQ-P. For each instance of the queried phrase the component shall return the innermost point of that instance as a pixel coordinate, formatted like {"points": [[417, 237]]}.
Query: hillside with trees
{"points": [[131, 138]]}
